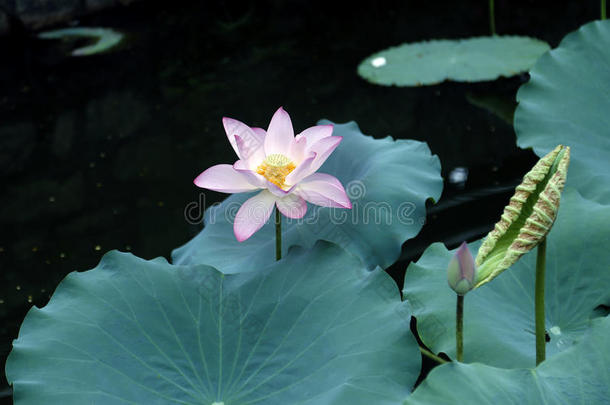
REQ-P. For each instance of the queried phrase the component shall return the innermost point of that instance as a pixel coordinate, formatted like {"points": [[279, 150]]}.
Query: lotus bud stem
{"points": [[278, 234], [461, 274], [459, 328], [539, 303]]}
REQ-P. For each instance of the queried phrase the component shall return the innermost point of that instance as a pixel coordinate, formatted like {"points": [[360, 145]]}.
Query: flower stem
{"points": [[603, 6], [459, 327], [432, 356], [492, 17], [539, 302], [278, 234]]}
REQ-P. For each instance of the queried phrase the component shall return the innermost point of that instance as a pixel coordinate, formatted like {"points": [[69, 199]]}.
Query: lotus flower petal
{"points": [[316, 133], [251, 151], [276, 160], [323, 148], [303, 170], [292, 206], [297, 149], [234, 127], [324, 190], [224, 179], [461, 271], [279, 134], [253, 214]]}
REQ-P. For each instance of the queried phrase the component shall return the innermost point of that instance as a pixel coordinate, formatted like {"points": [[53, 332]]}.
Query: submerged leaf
{"points": [[106, 38], [502, 107], [527, 218]]}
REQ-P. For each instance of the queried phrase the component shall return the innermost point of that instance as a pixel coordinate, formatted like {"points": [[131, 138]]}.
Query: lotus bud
{"points": [[528, 217], [461, 271]]}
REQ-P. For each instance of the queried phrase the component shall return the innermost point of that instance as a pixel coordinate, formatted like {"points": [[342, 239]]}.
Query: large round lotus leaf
{"points": [[567, 101], [315, 328], [462, 60], [577, 376], [388, 182], [499, 316]]}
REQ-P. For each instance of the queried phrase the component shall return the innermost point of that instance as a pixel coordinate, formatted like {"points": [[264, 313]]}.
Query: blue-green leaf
{"points": [[499, 316], [314, 328], [462, 60], [388, 182], [577, 376], [566, 102]]}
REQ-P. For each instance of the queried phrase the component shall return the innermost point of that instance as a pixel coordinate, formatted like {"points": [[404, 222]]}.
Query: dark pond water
{"points": [[99, 153]]}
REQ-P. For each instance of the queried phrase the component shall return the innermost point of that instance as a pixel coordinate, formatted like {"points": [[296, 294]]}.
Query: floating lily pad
{"points": [[315, 328], [462, 60], [567, 101], [577, 376], [105, 38], [388, 182], [499, 316]]}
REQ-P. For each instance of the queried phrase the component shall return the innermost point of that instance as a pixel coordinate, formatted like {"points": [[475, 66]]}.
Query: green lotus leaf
{"points": [[527, 218], [579, 375], [314, 328], [462, 60], [499, 316], [566, 101], [388, 182]]}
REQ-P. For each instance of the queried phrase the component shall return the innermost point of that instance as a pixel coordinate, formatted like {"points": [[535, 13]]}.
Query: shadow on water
{"points": [[99, 153]]}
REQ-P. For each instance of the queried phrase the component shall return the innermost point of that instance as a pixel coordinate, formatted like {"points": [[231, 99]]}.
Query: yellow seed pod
{"points": [[528, 217]]}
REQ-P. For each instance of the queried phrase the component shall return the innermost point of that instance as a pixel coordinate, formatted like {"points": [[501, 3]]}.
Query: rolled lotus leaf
{"points": [[528, 217]]}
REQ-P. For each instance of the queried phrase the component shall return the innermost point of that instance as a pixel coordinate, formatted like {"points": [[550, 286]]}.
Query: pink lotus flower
{"points": [[280, 164]]}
